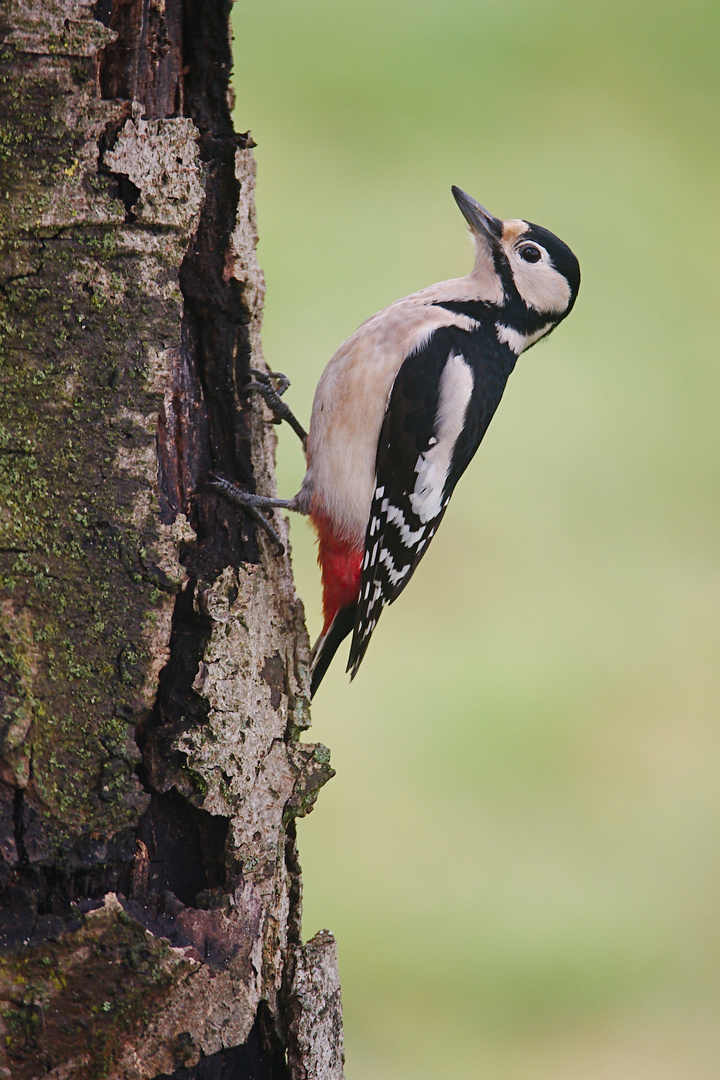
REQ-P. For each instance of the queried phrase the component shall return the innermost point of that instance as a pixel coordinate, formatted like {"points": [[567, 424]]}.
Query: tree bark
{"points": [[153, 654]]}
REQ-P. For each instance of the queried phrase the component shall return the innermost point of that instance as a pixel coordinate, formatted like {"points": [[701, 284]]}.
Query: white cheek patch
{"points": [[540, 285], [456, 387]]}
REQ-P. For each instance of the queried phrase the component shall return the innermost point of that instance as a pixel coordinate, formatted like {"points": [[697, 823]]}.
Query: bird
{"points": [[399, 413]]}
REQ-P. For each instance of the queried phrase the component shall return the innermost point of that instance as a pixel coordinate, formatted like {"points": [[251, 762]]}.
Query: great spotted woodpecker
{"points": [[400, 411]]}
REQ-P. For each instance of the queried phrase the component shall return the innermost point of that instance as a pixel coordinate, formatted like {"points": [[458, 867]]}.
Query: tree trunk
{"points": [[153, 654]]}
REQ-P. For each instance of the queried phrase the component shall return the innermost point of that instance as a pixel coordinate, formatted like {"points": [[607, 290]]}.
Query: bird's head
{"points": [[521, 267]]}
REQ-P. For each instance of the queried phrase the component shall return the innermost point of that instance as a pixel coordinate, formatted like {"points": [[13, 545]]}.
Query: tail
{"points": [[328, 644], [340, 564]]}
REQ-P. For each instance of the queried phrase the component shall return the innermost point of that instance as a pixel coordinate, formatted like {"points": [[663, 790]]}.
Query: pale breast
{"points": [[350, 403]]}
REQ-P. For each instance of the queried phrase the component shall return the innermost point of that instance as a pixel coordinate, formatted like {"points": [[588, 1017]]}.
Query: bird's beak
{"points": [[478, 218]]}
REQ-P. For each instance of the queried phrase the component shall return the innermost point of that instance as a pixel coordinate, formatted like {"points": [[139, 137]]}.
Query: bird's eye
{"points": [[530, 253]]}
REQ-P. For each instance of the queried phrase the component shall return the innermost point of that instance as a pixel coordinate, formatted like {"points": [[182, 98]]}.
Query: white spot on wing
{"points": [[393, 575], [408, 537]]}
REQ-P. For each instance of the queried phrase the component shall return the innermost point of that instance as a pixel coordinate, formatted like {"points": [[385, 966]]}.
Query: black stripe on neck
{"points": [[478, 310]]}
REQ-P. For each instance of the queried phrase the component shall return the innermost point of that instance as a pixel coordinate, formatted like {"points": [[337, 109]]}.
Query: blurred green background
{"points": [[520, 854]]}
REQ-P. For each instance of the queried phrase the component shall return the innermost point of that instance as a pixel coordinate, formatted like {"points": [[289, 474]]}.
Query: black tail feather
{"points": [[326, 646]]}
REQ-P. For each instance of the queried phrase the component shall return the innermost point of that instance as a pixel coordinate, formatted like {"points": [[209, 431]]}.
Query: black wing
{"points": [[441, 403]]}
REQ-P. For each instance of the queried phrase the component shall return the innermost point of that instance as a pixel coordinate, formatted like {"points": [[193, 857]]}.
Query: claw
{"points": [[275, 380], [271, 385], [263, 521], [248, 502]]}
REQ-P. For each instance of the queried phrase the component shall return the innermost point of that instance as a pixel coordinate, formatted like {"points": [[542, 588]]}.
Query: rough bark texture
{"points": [[153, 654]]}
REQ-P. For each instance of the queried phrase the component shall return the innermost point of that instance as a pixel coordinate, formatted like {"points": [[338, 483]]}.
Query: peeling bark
{"points": [[153, 655]]}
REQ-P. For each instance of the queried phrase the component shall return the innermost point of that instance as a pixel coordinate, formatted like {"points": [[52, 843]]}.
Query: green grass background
{"points": [[520, 852]]}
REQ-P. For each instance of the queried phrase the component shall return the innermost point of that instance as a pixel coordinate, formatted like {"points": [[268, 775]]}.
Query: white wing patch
{"points": [[456, 387]]}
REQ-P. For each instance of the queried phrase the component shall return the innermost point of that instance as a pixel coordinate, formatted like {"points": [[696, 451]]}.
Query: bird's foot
{"points": [[271, 385], [252, 504], [267, 381]]}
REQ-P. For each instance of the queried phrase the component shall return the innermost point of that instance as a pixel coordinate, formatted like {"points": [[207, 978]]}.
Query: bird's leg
{"points": [[253, 504], [271, 385]]}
